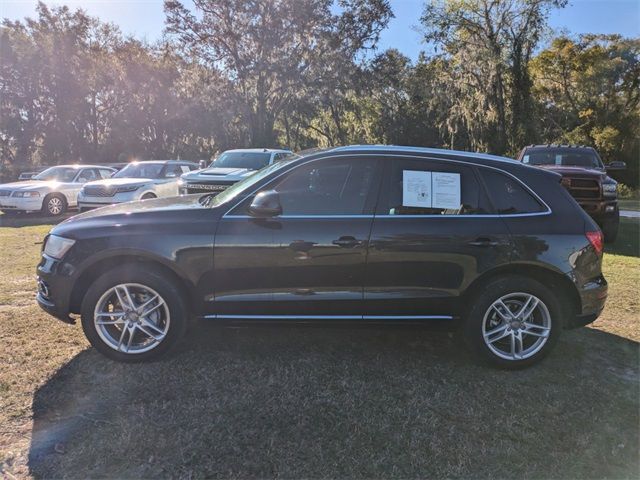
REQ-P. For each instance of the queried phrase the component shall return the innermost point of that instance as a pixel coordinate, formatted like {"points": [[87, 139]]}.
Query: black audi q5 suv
{"points": [[498, 249]]}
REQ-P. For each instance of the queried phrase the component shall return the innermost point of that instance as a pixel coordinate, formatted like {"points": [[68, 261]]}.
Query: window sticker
{"points": [[416, 189], [431, 189], [446, 190]]}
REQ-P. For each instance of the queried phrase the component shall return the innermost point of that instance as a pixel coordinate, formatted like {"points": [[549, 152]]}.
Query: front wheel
{"points": [[54, 205], [133, 313], [514, 322]]}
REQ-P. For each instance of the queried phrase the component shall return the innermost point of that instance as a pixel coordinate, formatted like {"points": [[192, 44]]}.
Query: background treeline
{"points": [[305, 73]]}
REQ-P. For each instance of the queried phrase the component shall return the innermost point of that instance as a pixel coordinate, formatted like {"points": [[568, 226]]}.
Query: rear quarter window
{"points": [[507, 195]]}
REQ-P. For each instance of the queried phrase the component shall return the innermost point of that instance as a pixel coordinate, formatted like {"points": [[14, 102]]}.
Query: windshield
{"points": [[250, 160], [140, 170], [568, 158], [58, 174], [246, 184]]}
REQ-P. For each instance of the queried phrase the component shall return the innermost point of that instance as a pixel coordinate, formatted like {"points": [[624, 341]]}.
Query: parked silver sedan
{"points": [[52, 191]]}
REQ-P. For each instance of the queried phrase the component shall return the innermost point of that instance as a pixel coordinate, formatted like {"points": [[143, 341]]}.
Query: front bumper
{"points": [[54, 287], [600, 210], [200, 187], [85, 202], [19, 203]]}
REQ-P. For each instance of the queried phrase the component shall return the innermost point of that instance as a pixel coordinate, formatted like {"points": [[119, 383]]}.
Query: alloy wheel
{"points": [[55, 206], [131, 318], [516, 326]]}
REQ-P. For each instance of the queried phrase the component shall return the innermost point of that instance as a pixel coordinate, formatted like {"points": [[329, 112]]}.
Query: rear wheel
{"points": [[133, 314], [54, 204], [148, 196], [514, 322]]}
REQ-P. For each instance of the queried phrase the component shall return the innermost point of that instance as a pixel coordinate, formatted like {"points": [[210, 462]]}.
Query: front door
{"points": [[310, 260]]}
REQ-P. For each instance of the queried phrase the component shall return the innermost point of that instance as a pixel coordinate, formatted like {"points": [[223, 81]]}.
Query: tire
{"points": [[134, 337], [148, 196], [54, 205], [543, 325], [610, 229]]}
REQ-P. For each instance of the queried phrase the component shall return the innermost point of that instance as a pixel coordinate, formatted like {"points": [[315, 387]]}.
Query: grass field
{"points": [[256, 402], [631, 204]]}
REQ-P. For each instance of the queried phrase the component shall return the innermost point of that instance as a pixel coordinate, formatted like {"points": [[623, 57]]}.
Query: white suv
{"points": [[136, 181], [52, 191]]}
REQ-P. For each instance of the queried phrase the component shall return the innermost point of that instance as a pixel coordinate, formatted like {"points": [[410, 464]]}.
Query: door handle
{"points": [[483, 242], [346, 242]]}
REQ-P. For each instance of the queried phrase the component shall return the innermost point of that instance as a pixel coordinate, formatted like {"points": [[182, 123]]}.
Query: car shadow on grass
{"points": [[257, 402]]}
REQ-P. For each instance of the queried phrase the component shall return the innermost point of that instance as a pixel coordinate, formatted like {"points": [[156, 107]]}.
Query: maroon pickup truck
{"points": [[585, 176]]}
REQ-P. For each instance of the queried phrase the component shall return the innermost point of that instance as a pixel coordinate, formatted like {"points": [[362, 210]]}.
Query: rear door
{"points": [[434, 232]]}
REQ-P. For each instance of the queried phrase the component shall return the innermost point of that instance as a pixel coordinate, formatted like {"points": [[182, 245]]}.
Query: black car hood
{"points": [[131, 213]]}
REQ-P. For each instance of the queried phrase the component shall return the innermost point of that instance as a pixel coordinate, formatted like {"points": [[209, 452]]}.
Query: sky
{"points": [[145, 18]]}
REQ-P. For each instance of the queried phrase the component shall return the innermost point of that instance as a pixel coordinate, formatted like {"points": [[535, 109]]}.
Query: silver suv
{"points": [[230, 167]]}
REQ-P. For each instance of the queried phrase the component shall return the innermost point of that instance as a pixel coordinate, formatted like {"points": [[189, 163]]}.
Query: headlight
{"points": [[26, 194], [128, 188], [56, 247], [609, 189]]}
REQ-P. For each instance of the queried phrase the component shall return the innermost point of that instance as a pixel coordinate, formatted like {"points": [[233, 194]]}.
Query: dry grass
{"points": [[313, 402]]}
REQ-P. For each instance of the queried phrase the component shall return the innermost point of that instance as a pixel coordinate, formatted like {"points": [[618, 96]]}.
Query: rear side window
{"points": [[173, 170], [424, 187], [508, 195]]}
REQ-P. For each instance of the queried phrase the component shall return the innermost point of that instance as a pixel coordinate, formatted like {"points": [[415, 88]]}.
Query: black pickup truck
{"points": [[585, 176]]}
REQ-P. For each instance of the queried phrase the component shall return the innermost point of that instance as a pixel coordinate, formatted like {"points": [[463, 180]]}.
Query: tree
{"points": [[271, 51], [488, 45], [588, 92]]}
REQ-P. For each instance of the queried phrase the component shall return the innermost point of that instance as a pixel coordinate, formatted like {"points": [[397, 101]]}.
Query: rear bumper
{"points": [[593, 296]]}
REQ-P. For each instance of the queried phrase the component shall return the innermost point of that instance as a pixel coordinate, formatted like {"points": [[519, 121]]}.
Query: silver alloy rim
{"points": [[131, 318], [516, 326], [55, 205]]}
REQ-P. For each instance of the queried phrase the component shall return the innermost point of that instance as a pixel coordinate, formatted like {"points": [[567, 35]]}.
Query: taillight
{"points": [[596, 240]]}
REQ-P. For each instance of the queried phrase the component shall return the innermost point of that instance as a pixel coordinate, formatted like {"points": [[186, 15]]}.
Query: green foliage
{"points": [[303, 73], [627, 193], [588, 90]]}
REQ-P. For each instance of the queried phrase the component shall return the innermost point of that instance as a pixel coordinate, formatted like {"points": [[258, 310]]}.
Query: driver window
{"points": [[329, 187]]}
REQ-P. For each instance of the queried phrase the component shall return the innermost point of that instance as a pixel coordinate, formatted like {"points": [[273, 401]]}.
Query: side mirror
{"points": [[616, 166], [266, 204]]}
